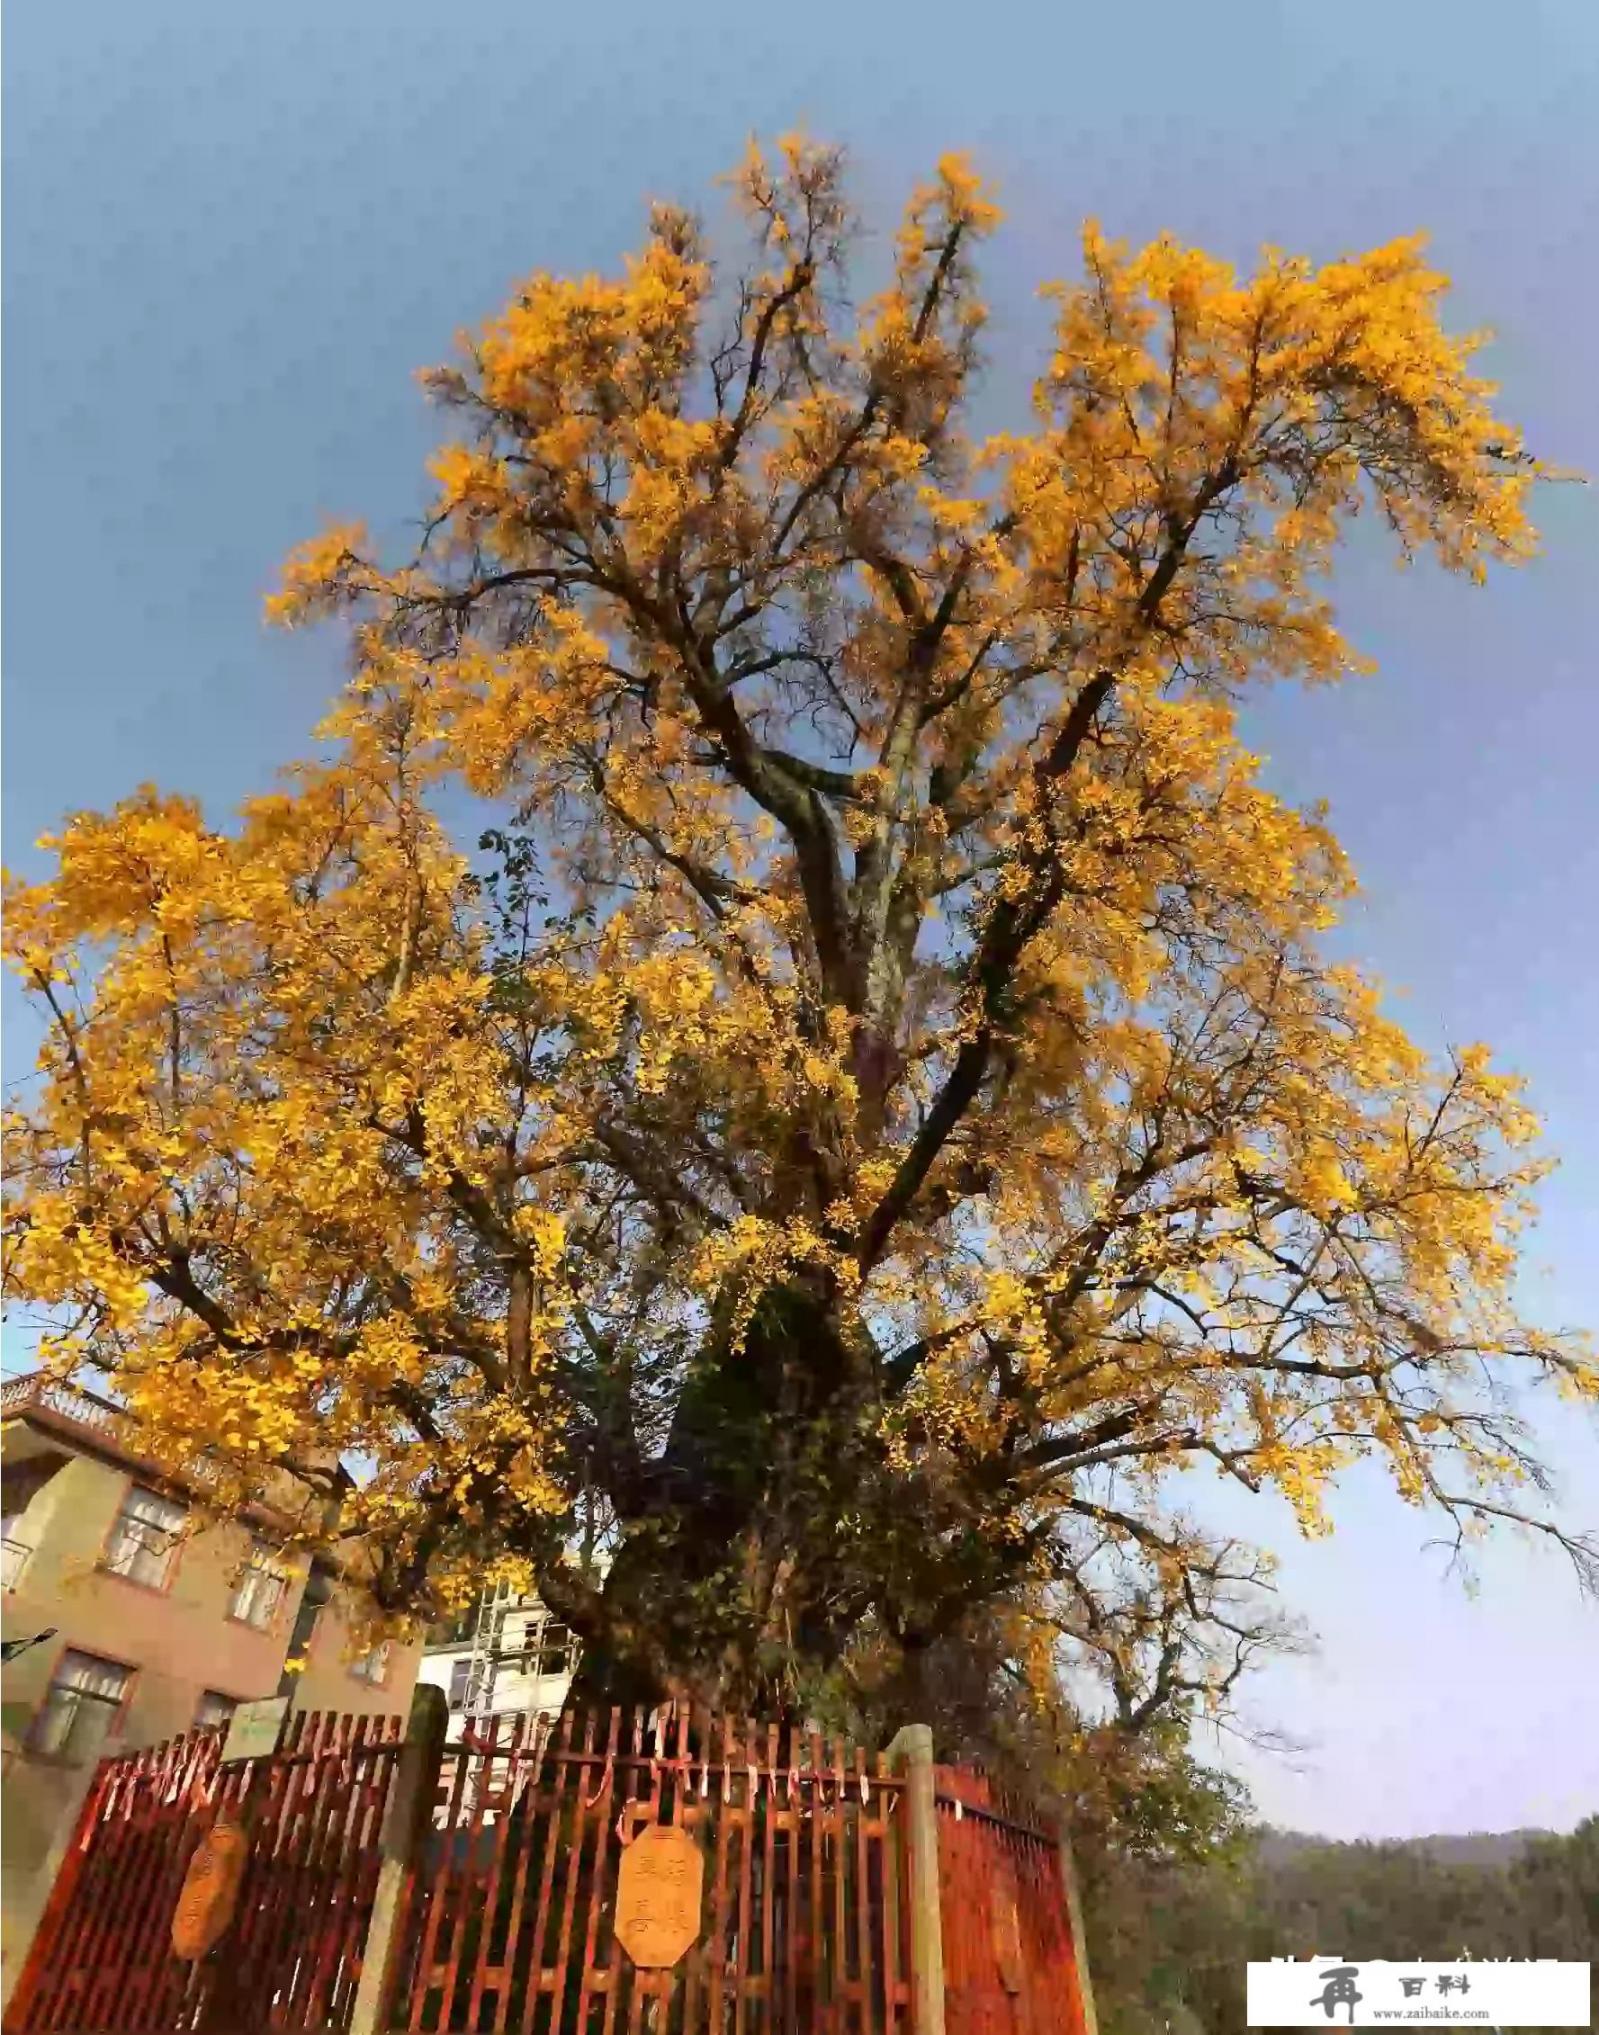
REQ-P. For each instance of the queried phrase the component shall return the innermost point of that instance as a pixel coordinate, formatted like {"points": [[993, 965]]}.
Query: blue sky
{"points": [[232, 235]]}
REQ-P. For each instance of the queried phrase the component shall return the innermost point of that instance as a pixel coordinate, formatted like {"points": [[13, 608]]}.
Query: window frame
{"points": [[114, 1535], [38, 1724], [537, 1647], [260, 1565], [220, 1696], [383, 1655]]}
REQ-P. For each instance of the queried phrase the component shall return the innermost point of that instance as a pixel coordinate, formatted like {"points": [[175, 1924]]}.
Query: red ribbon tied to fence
{"points": [[606, 1779]]}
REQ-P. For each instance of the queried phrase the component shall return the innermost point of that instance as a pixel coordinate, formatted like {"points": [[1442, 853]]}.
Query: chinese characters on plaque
{"points": [[659, 1888]]}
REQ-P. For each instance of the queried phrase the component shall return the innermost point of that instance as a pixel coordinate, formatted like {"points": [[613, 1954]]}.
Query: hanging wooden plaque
{"points": [[660, 1886], [210, 1890]]}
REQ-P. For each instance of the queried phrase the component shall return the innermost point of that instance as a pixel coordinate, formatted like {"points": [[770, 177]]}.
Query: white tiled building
{"points": [[507, 1656]]}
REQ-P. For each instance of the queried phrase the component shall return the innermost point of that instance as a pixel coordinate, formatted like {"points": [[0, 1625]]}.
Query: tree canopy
{"points": [[876, 1105]]}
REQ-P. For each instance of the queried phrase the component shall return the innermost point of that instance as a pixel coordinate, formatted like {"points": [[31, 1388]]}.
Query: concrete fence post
{"points": [[1074, 1917], [405, 1822], [911, 1750]]}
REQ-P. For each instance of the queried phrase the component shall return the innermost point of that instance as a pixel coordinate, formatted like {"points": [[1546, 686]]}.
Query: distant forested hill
{"points": [[1168, 1943], [1476, 1847]]}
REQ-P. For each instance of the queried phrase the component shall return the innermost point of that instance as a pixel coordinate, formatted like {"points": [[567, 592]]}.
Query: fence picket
{"points": [[722, 1829], [581, 1776], [746, 1870], [866, 1998]]}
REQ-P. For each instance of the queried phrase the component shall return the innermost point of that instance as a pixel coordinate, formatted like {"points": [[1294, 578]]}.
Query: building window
{"points": [[15, 1553], [551, 1649], [81, 1707], [372, 1667], [460, 1676], [214, 1711], [144, 1540], [259, 1594]]}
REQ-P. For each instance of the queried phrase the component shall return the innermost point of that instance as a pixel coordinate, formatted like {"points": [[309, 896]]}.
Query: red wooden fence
{"points": [[510, 1919], [499, 1919], [1010, 1966], [102, 1959]]}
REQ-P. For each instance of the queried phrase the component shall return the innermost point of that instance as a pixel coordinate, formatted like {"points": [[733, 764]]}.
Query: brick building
{"points": [[157, 1627]]}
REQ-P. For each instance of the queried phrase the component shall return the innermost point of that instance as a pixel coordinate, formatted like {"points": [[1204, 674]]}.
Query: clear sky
{"points": [[232, 234]]}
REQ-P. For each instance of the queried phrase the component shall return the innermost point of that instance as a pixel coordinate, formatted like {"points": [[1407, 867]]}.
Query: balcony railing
{"points": [[13, 1560], [80, 1411], [38, 1392]]}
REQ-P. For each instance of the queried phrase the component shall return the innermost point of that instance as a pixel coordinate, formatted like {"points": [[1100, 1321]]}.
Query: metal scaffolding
{"points": [[536, 1649]]}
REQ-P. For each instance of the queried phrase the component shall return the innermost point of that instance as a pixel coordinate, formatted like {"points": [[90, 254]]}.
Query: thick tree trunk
{"points": [[772, 1525], [714, 1592]]}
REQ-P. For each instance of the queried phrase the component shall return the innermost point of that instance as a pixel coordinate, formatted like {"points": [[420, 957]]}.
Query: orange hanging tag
{"points": [[210, 1890]]}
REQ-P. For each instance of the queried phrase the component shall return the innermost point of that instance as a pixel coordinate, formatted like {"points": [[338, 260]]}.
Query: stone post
{"points": [[911, 1750], [405, 1822]]}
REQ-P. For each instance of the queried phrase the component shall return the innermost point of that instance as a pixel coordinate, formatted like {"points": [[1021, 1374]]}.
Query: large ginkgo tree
{"points": [[873, 1112]]}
